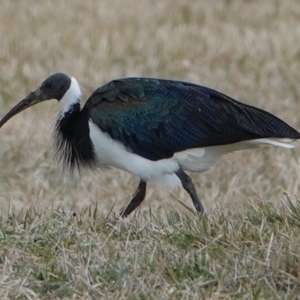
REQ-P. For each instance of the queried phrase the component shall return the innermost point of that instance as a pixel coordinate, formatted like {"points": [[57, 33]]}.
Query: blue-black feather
{"points": [[156, 118]]}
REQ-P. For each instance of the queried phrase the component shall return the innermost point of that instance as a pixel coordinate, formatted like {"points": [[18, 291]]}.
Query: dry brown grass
{"points": [[246, 49]]}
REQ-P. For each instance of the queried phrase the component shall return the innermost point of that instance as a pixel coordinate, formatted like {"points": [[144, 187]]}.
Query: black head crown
{"points": [[55, 86]]}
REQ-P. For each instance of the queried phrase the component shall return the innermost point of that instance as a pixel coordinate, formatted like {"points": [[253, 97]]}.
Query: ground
{"points": [[60, 235]]}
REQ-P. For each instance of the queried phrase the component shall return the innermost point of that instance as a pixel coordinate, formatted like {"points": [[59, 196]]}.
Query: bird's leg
{"points": [[136, 200], [190, 188]]}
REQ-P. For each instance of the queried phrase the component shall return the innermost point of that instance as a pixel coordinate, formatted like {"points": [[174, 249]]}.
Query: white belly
{"points": [[111, 153]]}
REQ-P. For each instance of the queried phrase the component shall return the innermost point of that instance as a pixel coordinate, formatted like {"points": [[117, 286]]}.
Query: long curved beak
{"points": [[33, 98]]}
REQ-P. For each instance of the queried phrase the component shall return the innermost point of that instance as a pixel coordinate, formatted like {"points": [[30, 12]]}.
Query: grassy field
{"points": [[60, 237]]}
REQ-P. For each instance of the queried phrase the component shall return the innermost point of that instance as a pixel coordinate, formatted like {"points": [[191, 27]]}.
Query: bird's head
{"points": [[54, 87]]}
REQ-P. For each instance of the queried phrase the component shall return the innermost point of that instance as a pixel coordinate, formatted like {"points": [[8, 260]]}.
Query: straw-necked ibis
{"points": [[155, 129]]}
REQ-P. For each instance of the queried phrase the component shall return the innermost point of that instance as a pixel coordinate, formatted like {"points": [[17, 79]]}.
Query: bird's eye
{"points": [[49, 84]]}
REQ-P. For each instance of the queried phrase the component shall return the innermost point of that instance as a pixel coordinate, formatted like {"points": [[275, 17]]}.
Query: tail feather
{"points": [[202, 159], [279, 142]]}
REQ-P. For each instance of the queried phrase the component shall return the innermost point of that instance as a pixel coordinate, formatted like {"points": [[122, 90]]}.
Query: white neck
{"points": [[70, 98]]}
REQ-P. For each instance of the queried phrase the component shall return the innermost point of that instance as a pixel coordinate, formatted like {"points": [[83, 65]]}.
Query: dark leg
{"points": [[190, 188], [136, 200]]}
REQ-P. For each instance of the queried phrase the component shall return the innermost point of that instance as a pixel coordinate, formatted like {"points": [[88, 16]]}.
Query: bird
{"points": [[155, 129]]}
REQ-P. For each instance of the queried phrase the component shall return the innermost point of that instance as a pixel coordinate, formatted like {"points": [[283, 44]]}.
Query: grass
{"points": [[252, 254], [60, 237]]}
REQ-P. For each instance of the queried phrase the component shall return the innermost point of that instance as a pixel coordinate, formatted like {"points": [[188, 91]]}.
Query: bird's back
{"points": [[157, 118]]}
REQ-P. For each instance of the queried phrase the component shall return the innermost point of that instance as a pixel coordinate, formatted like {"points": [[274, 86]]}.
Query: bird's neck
{"points": [[72, 140], [71, 100], [71, 133]]}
